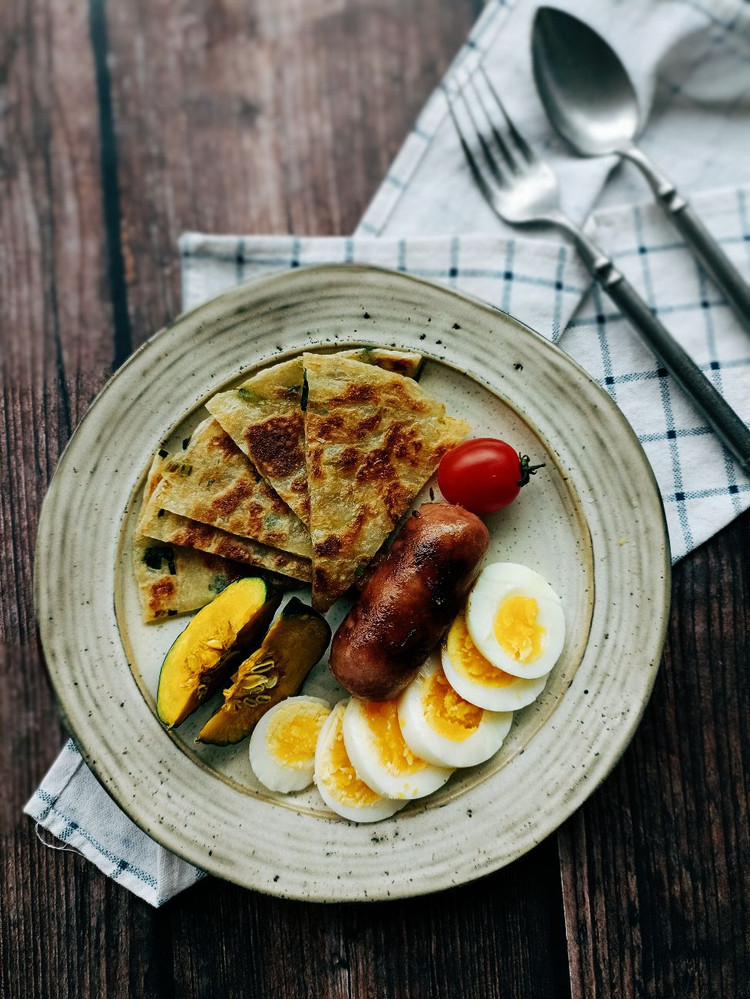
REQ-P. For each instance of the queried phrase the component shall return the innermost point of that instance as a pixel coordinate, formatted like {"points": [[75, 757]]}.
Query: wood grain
{"points": [[655, 874], [61, 921], [260, 118], [458, 944], [121, 125]]}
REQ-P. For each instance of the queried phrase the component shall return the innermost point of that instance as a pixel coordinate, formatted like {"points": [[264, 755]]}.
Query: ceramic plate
{"points": [[591, 523]]}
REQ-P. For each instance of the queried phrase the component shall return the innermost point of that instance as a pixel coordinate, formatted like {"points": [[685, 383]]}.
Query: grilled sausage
{"points": [[411, 599]]}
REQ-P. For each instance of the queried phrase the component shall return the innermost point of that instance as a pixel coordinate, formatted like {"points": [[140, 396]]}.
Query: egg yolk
{"points": [[467, 658], [394, 754], [292, 735], [342, 778], [516, 629], [446, 712]]}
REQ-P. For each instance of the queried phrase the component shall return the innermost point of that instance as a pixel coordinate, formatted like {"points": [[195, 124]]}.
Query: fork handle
{"points": [[708, 251], [717, 412]]}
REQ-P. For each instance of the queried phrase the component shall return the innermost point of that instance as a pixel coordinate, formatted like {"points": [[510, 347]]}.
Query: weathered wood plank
{"points": [[655, 866], [260, 117], [499, 937], [64, 930]]}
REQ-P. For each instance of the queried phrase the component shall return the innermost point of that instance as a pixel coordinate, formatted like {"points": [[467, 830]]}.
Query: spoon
{"points": [[590, 100]]}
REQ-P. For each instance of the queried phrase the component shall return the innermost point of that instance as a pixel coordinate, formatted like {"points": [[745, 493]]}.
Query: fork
{"points": [[522, 190]]}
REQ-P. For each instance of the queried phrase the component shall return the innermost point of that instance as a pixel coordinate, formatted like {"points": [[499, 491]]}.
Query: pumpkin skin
{"points": [[294, 644], [203, 655]]}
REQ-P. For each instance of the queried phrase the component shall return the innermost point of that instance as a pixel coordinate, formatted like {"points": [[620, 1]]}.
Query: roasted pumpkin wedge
{"points": [[294, 644], [219, 636]]}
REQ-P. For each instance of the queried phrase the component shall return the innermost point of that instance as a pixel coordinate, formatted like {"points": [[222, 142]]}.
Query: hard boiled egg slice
{"points": [[336, 779], [442, 727], [282, 746], [516, 620], [477, 680], [382, 759]]}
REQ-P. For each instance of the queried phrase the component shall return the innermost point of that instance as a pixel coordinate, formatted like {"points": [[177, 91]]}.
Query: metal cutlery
{"points": [[522, 190], [591, 102]]}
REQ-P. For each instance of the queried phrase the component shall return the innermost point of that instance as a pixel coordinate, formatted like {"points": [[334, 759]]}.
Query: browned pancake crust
{"points": [[373, 438], [264, 417], [213, 482]]}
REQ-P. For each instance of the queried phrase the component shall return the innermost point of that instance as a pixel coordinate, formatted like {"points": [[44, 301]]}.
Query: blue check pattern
{"points": [[73, 806], [701, 485]]}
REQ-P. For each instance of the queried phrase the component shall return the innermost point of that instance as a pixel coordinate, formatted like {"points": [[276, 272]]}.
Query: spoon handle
{"points": [[726, 276], [727, 425]]}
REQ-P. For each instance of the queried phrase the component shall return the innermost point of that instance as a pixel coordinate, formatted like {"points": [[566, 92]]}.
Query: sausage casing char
{"points": [[410, 601]]}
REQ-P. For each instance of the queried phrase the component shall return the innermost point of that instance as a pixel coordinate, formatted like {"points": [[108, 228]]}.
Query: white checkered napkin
{"points": [[701, 485], [690, 63], [74, 807], [540, 282]]}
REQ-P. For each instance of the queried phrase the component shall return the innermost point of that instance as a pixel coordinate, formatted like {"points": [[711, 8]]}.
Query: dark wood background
{"points": [[121, 125]]}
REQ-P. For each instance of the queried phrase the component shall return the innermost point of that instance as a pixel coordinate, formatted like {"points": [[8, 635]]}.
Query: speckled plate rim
{"points": [[340, 861]]}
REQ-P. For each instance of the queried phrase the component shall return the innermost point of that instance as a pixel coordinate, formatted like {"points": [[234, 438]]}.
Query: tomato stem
{"points": [[527, 470]]}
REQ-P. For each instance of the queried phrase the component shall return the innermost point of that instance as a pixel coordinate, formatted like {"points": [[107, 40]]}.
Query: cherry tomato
{"points": [[483, 475]]}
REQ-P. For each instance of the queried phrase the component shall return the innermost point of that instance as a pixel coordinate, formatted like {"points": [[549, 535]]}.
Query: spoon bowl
{"points": [[584, 86], [591, 102]]}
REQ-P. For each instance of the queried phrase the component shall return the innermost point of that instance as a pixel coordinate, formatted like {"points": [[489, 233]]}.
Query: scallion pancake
{"points": [[373, 438], [160, 524], [264, 418], [213, 482], [173, 580]]}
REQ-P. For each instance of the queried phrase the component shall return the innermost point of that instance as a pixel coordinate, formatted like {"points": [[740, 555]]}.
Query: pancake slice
{"points": [[264, 418], [372, 438], [212, 481], [161, 525], [173, 580]]}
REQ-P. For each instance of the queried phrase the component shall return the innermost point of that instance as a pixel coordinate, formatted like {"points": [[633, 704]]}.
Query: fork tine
{"points": [[500, 141], [519, 140], [491, 160], [485, 185]]}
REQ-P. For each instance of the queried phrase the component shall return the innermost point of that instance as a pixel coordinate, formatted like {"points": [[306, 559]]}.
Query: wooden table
{"points": [[121, 125]]}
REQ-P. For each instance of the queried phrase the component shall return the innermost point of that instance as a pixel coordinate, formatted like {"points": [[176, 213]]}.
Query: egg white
{"points": [[496, 690], [497, 583], [435, 747], [369, 754], [273, 773], [330, 742]]}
